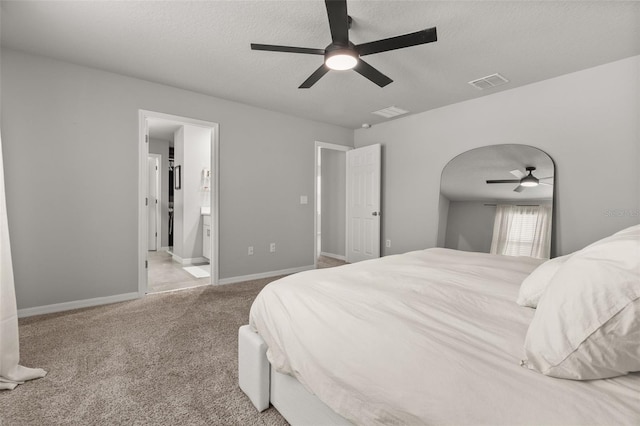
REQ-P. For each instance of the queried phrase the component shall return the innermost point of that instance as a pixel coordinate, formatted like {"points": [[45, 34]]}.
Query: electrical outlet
{"points": [[388, 244], [250, 251], [272, 247]]}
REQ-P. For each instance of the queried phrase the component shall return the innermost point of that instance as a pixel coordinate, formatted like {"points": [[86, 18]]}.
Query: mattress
{"points": [[427, 337]]}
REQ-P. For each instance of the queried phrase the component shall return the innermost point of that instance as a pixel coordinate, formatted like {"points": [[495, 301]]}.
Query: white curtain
{"points": [[11, 374], [522, 231]]}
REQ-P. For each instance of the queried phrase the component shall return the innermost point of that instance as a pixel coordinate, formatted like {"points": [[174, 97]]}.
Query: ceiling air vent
{"points": [[390, 112], [489, 81]]}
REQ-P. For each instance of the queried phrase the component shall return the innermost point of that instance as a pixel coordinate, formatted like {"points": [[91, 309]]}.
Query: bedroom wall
{"points": [[586, 121], [334, 187], [470, 226], [443, 214], [70, 145]]}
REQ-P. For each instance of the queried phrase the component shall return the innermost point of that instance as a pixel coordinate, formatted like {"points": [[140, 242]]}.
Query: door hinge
{"points": [[146, 138], [146, 264], [146, 201], [156, 234]]}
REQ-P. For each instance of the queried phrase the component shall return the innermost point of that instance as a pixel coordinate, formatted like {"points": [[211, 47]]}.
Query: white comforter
{"points": [[428, 337]]}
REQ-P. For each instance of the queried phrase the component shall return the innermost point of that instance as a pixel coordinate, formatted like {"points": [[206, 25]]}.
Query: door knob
{"points": [[376, 214]]}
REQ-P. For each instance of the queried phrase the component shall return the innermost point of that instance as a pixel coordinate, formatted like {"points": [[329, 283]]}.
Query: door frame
{"points": [[143, 153], [158, 159], [318, 147]]}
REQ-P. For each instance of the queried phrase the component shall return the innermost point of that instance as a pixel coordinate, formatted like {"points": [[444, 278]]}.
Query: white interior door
{"points": [[153, 206], [363, 203]]}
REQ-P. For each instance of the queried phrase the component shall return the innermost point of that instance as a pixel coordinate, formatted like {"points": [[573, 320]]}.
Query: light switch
{"points": [[304, 199]]}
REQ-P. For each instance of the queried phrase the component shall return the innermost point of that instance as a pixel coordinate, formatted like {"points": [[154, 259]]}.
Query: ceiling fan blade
{"points": [[338, 21], [371, 73], [517, 173], [520, 188], [289, 49], [313, 78], [504, 181], [398, 42], [545, 183]]}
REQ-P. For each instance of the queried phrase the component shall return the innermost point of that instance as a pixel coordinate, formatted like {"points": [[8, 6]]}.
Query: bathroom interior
{"points": [[179, 206]]}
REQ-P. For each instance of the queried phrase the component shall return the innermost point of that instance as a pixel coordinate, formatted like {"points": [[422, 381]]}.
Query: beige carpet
{"points": [[166, 359]]}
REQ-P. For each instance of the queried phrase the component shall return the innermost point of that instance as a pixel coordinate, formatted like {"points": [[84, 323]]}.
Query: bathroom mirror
{"points": [[498, 199]]}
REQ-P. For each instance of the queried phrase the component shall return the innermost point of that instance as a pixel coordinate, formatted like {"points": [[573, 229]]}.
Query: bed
{"points": [[427, 337]]}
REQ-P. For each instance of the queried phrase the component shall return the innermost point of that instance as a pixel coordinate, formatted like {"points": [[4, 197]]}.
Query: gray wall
{"points": [[334, 187], [586, 121], [158, 146], [70, 146], [196, 156], [178, 194], [470, 226], [443, 212]]}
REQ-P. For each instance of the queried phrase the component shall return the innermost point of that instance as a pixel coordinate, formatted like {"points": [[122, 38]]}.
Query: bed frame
{"points": [[264, 386]]}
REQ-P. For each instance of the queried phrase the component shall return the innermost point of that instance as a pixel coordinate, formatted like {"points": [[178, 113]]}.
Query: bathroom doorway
{"points": [[186, 251]]}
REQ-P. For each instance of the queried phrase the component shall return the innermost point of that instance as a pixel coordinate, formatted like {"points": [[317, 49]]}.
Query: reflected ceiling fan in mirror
{"points": [[342, 54], [523, 180]]}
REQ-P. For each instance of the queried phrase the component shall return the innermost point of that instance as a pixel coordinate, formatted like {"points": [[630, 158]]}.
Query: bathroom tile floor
{"points": [[166, 275]]}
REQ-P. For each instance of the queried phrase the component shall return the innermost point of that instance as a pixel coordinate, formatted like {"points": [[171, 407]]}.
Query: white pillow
{"points": [[587, 324], [536, 283]]}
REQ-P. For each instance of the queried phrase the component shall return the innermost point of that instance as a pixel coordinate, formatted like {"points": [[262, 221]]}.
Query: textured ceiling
{"points": [[204, 46]]}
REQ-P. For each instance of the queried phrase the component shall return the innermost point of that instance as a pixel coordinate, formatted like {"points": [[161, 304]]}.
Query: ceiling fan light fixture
{"points": [[342, 54], [529, 181], [341, 59]]}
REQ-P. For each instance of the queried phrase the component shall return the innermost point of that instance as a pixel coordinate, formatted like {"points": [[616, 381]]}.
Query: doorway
{"points": [[185, 253], [330, 207], [347, 203]]}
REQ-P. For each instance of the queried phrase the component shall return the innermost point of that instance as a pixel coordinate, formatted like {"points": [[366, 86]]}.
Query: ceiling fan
{"points": [[341, 54], [524, 181]]}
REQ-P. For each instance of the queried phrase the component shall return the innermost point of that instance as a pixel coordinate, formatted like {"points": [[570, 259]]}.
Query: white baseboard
{"points": [[189, 261], [76, 304], [335, 256], [233, 280], [97, 301]]}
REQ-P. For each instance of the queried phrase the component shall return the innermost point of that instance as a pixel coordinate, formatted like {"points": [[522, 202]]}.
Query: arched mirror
{"points": [[498, 199]]}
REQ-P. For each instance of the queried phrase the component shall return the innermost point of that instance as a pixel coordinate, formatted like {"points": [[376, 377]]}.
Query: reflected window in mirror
{"points": [[498, 199], [522, 230]]}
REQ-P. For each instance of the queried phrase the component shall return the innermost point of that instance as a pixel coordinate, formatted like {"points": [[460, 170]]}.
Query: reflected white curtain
{"points": [[522, 231], [11, 374]]}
